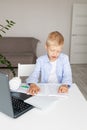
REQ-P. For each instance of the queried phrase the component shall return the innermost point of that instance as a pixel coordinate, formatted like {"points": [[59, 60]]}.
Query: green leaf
{"points": [[7, 21], [9, 26], [12, 22], [0, 36], [6, 28], [3, 31]]}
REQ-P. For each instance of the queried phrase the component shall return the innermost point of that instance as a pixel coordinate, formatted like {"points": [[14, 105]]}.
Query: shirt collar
{"points": [[47, 58]]}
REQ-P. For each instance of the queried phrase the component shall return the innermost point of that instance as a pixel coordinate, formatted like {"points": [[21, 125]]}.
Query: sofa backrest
{"points": [[18, 44]]}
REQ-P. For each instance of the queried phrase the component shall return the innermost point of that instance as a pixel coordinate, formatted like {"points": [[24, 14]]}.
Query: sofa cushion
{"points": [[19, 49], [18, 44]]}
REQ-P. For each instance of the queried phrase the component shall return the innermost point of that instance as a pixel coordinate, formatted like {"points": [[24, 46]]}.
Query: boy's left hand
{"points": [[63, 89]]}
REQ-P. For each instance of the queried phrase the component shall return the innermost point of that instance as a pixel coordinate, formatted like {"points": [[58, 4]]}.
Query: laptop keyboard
{"points": [[20, 106]]}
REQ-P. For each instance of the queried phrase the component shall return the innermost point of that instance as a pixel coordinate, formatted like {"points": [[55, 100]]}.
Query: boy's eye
{"points": [[52, 50]]}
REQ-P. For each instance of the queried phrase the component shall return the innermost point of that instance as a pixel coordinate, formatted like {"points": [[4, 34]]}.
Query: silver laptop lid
{"points": [[5, 96]]}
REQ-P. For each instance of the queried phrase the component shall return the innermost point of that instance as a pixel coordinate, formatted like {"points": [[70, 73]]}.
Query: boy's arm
{"points": [[67, 73]]}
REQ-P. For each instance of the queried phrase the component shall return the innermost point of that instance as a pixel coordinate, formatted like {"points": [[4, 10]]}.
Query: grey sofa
{"points": [[19, 49]]}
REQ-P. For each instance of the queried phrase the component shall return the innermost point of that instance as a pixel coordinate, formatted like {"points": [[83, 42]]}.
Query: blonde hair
{"points": [[55, 38]]}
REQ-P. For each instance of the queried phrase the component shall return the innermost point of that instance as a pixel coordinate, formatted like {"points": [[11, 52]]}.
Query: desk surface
{"points": [[66, 114]]}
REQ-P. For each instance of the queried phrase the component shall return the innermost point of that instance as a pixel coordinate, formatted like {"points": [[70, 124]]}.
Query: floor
{"points": [[79, 74]]}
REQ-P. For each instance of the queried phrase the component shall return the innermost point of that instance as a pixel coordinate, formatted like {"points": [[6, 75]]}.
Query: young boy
{"points": [[54, 67]]}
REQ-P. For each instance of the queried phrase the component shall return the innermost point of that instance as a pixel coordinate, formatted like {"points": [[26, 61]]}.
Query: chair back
{"points": [[25, 69]]}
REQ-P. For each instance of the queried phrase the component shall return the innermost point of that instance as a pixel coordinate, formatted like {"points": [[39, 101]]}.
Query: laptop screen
{"points": [[6, 104], [5, 96]]}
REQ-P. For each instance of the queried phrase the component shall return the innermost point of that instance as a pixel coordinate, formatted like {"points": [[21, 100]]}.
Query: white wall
{"points": [[37, 18]]}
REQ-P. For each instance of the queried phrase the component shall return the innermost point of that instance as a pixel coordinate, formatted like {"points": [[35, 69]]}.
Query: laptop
{"points": [[12, 103]]}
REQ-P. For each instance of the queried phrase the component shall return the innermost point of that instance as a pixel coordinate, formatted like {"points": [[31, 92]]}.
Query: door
{"points": [[78, 52]]}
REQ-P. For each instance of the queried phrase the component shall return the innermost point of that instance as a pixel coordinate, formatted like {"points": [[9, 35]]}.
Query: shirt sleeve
{"points": [[67, 73]]}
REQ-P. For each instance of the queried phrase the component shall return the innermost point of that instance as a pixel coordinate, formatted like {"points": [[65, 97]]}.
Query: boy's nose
{"points": [[54, 53]]}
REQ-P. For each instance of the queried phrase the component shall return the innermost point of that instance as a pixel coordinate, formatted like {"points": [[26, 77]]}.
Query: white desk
{"points": [[65, 114]]}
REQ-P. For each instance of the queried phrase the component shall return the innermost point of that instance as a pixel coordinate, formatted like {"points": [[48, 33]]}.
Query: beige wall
{"points": [[39, 17]]}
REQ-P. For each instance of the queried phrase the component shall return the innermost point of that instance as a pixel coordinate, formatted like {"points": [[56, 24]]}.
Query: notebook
{"points": [[12, 104]]}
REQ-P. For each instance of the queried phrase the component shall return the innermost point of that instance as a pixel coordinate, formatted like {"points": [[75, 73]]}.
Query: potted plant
{"points": [[3, 60]]}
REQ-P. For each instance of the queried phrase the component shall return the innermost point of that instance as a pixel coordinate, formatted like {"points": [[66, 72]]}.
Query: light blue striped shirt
{"points": [[43, 68]]}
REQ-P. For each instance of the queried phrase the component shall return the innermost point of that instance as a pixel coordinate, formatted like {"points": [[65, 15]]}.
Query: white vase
{"points": [[15, 83]]}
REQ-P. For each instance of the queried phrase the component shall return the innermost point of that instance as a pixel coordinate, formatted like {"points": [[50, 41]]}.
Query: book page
{"points": [[50, 89]]}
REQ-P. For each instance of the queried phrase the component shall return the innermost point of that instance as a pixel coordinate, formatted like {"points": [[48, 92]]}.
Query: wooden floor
{"points": [[79, 74]]}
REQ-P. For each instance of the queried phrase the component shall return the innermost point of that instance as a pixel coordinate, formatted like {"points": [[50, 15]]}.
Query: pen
{"points": [[24, 86]]}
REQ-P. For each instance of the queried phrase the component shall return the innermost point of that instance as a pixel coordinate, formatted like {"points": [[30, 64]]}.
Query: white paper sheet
{"points": [[41, 102], [47, 96]]}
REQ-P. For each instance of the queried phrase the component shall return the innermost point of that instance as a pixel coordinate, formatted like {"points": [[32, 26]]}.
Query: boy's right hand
{"points": [[33, 89]]}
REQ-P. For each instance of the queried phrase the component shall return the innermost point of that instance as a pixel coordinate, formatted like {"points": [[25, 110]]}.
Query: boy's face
{"points": [[53, 51]]}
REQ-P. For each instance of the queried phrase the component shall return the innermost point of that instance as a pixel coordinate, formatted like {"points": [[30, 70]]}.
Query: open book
{"points": [[46, 89], [50, 89]]}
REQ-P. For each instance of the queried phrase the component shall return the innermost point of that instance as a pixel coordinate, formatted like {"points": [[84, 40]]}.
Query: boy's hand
{"points": [[63, 89], [34, 89]]}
